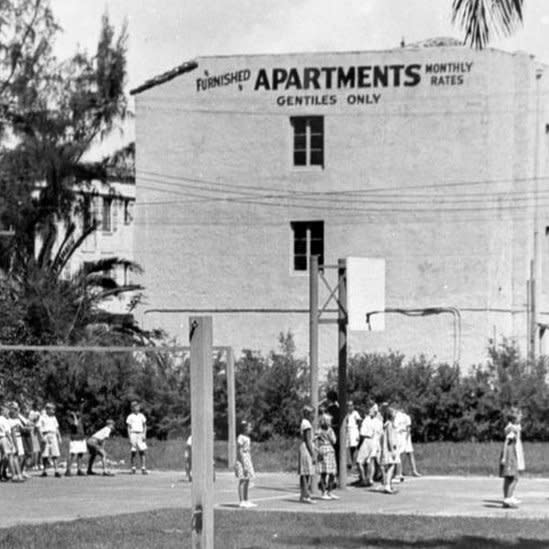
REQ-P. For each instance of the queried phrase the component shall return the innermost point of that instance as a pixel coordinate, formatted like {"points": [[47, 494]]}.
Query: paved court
{"points": [[51, 499]]}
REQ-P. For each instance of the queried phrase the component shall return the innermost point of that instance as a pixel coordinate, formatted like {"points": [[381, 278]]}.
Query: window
{"points": [[308, 239], [128, 214], [308, 140], [106, 223]]}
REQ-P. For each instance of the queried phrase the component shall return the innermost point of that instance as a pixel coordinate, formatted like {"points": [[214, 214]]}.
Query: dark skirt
{"points": [[509, 468]]}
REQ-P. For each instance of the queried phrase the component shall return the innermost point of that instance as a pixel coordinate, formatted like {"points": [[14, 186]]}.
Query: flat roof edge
{"points": [[188, 66]]}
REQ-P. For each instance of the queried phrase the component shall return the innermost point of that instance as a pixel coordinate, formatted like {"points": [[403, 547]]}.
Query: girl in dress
{"points": [[326, 458], [244, 468], [512, 458], [306, 453], [389, 449]]}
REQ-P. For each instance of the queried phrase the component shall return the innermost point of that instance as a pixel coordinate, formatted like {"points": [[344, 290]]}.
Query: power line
{"points": [[435, 185], [375, 199]]}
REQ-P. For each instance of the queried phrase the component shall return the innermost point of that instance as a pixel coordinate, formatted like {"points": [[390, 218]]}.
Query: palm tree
{"points": [[482, 19]]}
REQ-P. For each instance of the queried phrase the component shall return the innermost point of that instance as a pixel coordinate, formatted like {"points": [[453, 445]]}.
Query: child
{"points": [[305, 464], [244, 468], [50, 436], [34, 416], [352, 421], [17, 426], [7, 448], [188, 457], [96, 447], [368, 455], [137, 433], [403, 426], [77, 445], [326, 464], [512, 458], [389, 449]]}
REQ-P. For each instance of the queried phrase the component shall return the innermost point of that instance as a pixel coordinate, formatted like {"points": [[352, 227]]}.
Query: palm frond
{"points": [[481, 20]]}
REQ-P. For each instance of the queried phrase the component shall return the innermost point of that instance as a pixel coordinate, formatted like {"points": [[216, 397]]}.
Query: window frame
{"points": [[308, 225], [308, 136]]}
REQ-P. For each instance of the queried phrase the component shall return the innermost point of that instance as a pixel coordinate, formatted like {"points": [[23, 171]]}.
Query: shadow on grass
{"points": [[463, 542]]}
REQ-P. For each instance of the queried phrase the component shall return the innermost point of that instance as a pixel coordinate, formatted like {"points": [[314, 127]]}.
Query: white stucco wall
{"points": [[434, 178]]}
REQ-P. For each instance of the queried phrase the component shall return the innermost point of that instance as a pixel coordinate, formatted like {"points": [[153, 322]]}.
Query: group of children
{"points": [[31, 440], [374, 444]]}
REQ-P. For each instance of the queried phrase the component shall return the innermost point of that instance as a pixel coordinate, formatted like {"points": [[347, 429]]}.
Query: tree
{"points": [[482, 19]]}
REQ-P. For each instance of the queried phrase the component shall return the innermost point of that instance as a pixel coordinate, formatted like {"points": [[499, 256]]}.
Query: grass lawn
{"points": [[263, 530], [279, 454]]}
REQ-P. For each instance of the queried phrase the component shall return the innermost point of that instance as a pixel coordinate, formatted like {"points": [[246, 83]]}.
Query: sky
{"points": [[165, 33]]}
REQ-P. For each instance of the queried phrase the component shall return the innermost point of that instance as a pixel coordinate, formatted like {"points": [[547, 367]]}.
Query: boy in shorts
{"points": [[136, 423], [48, 427], [96, 447]]}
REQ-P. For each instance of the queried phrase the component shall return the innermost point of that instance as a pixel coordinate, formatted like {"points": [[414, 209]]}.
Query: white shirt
{"points": [[402, 422], [104, 433], [16, 423], [136, 422], [48, 424], [5, 426], [305, 424]]}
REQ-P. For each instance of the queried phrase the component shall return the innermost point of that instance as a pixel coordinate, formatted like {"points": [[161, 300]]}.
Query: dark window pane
{"points": [[317, 158], [317, 247], [317, 141], [316, 124], [300, 263], [300, 142], [300, 158], [300, 246], [300, 230], [299, 124]]}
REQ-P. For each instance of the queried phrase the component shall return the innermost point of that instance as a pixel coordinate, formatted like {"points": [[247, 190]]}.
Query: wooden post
{"points": [[313, 336], [202, 432], [313, 347], [342, 370], [231, 408]]}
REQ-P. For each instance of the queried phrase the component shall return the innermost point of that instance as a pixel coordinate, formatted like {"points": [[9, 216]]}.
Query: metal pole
{"points": [[202, 527], [342, 370], [231, 408]]}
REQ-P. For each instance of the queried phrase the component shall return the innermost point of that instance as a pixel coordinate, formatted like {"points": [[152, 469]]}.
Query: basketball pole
{"points": [[202, 524]]}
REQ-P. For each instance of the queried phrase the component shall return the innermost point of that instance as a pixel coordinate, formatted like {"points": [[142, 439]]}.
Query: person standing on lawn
{"points": [[512, 458], [326, 458], [244, 468], [136, 423], [306, 455], [96, 447], [48, 427]]}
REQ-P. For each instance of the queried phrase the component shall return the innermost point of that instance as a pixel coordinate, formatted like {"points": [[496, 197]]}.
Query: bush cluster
{"points": [[445, 403]]}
